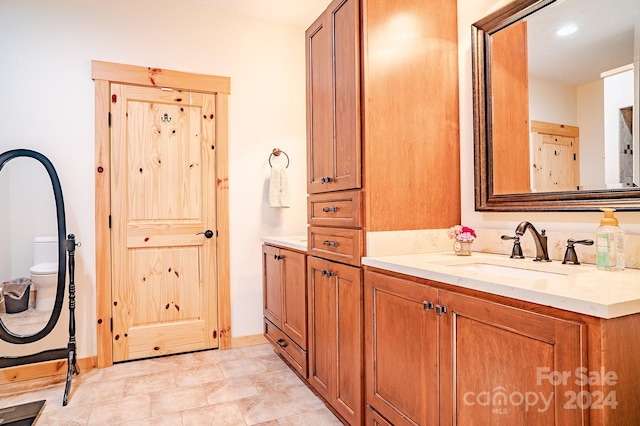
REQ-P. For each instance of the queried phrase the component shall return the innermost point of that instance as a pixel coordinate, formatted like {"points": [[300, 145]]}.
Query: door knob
{"points": [[208, 233]]}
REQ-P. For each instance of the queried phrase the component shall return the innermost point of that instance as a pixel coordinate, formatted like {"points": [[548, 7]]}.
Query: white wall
{"points": [[552, 102], [470, 11], [48, 105]]}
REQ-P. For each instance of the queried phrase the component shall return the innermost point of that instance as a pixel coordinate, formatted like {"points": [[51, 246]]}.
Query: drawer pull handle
{"points": [[330, 243], [330, 209], [325, 179], [282, 343], [278, 257]]}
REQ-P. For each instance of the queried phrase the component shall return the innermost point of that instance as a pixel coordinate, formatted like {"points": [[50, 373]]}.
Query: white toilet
{"points": [[44, 272]]}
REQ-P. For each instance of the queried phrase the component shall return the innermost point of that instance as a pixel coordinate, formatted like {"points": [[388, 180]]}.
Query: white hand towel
{"points": [[278, 188]]}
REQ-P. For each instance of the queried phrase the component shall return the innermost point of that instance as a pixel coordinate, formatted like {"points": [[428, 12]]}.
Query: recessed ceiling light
{"points": [[567, 30]]}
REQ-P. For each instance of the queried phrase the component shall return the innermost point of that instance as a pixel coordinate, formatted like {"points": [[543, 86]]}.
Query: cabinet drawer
{"points": [[342, 209], [338, 244], [294, 354]]}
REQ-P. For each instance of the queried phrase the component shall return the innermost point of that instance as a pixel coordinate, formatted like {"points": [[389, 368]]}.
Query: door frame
{"points": [[103, 74]]}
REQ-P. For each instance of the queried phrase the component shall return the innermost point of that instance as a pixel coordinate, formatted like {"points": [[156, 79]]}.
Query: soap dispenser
{"points": [[609, 243]]}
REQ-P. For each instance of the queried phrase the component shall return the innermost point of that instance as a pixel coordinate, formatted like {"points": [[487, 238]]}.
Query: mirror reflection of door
{"points": [[28, 246], [555, 157]]}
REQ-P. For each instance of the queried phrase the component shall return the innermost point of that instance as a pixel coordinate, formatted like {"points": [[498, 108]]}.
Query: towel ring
{"points": [[276, 152]]}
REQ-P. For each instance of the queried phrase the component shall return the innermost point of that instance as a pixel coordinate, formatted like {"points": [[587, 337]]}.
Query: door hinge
{"points": [[427, 306], [109, 118], [440, 310], [111, 324], [216, 233], [109, 221], [574, 157]]}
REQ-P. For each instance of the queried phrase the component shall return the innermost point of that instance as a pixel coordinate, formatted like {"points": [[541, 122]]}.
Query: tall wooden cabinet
{"points": [[383, 155]]}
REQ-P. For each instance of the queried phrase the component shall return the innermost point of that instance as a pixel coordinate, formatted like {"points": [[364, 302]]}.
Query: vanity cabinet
{"points": [[435, 356], [335, 335], [285, 304]]}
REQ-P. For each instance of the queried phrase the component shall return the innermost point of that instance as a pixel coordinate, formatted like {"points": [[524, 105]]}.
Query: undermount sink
{"points": [[507, 271]]}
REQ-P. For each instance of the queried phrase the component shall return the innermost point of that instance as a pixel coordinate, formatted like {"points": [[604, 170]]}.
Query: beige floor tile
{"points": [[172, 419], [129, 408], [224, 414], [254, 351], [266, 407], [275, 380], [127, 369], [230, 390], [242, 367], [304, 397], [198, 375], [91, 393], [177, 399], [67, 416], [149, 383]]}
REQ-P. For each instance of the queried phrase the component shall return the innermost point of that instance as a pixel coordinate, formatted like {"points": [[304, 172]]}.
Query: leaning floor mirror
{"points": [[37, 259]]}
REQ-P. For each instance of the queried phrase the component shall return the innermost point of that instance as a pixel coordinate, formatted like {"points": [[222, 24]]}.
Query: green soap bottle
{"points": [[609, 243]]}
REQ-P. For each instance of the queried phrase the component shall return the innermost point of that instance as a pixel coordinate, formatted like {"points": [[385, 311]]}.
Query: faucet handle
{"points": [[570, 255], [516, 251]]}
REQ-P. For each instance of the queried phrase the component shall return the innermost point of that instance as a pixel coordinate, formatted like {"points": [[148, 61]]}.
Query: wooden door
{"points": [[401, 350], [335, 335], [163, 199], [501, 365], [333, 99]]}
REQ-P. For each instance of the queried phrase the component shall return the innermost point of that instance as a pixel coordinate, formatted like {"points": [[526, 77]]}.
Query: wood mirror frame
{"points": [[485, 197]]}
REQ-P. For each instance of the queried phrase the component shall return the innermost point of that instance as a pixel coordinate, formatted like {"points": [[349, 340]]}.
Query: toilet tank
{"points": [[45, 250]]}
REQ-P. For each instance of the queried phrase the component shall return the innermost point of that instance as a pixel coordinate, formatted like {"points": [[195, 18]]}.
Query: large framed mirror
{"points": [[33, 261], [36, 259], [556, 111]]}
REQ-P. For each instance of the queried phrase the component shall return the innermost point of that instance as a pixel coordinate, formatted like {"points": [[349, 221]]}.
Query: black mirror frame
{"points": [[485, 199], [6, 334]]}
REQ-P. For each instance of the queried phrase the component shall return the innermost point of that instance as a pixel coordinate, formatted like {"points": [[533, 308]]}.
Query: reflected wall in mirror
{"points": [[32, 247], [555, 116]]}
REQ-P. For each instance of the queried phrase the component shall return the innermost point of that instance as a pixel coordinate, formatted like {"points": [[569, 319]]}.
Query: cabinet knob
{"points": [[282, 343]]}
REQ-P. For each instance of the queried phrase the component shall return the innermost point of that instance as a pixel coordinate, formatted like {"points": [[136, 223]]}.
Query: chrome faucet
{"points": [[542, 254]]}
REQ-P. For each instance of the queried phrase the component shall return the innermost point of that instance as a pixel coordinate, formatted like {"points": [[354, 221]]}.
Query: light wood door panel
{"points": [[163, 199]]}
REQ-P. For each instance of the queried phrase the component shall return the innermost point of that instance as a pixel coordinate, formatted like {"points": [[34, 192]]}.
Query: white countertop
{"points": [[578, 288], [296, 242]]}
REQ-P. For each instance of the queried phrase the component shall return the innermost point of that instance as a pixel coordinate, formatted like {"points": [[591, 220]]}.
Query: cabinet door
{"points": [[294, 294], [272, 285], [335, 335], [401, 350], [504, 366], [333, 99]]}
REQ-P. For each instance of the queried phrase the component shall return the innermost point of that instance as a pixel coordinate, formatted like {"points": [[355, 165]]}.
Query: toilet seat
{"points": [[44, 269]]}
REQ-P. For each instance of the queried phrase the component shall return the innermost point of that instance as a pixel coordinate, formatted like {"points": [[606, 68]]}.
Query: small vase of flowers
{"points": [[463, 238]]}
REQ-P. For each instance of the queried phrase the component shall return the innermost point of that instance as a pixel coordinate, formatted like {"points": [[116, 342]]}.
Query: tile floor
{"points": [[243, 386]]}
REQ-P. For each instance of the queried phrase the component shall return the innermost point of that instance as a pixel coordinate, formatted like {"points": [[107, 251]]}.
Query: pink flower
{"points": [[461, 233]]}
